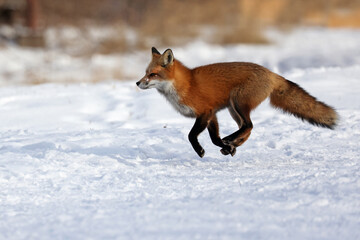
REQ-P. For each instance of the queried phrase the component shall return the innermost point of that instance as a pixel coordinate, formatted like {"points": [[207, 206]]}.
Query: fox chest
{"points": [[172, 96]]}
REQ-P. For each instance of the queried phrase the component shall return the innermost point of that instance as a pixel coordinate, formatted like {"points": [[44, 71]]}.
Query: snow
{"points": [[108, 161]]}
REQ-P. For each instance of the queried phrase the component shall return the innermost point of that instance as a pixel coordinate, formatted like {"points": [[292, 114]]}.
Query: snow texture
{"points": [[108, 161]]}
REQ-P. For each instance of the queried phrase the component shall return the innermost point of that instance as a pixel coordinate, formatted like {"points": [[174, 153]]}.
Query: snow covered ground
{"points": [[108, 161]]}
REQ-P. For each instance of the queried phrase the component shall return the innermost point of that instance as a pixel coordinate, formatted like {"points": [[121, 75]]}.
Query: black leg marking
{"points": [[213, 128], [242, 117], [199, 126]]}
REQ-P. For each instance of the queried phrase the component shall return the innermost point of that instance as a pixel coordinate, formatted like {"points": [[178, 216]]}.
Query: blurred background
{"points": [[39, 39]]}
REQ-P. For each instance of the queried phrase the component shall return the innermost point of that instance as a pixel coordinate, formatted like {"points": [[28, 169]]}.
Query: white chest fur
{"points": [[168, 90]]}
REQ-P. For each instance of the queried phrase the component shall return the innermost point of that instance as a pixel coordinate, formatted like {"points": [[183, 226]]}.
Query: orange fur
{"points": [[238, 86]]}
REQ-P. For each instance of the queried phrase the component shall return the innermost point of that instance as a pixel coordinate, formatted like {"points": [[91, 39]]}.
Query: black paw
{"points": [[228, 149], [201, 152]]}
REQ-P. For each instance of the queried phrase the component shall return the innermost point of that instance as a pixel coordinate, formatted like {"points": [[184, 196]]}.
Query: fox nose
{"points": [[138, 83]]}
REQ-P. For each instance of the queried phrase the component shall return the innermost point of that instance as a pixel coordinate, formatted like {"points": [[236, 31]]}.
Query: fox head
{"points": [[159, 72]]}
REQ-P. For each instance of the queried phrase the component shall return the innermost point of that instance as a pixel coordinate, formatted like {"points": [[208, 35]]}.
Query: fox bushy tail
{"points": [[291, 98]]}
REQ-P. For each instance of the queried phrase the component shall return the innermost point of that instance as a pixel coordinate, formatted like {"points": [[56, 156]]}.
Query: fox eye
{"points": [[153, 75]]}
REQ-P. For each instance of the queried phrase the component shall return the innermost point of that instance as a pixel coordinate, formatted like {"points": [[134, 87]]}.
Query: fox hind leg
{"points": [[241, 115]]}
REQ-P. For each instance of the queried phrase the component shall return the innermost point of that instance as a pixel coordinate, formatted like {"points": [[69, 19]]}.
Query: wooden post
{"points": [[32, 15], [34, 36]]}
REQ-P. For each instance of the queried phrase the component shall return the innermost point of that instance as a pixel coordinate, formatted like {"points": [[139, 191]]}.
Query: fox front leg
{"points": [[213, 128], [199, 126]]}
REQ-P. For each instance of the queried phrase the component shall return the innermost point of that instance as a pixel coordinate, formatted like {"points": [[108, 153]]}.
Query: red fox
{"points": [[239, 86]]}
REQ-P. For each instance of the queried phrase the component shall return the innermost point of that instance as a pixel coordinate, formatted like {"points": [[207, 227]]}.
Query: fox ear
{"points": [[155, 51], [167, 58]]}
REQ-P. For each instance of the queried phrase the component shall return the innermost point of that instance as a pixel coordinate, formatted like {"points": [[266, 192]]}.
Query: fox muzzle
{"points": [[143, 83]]}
